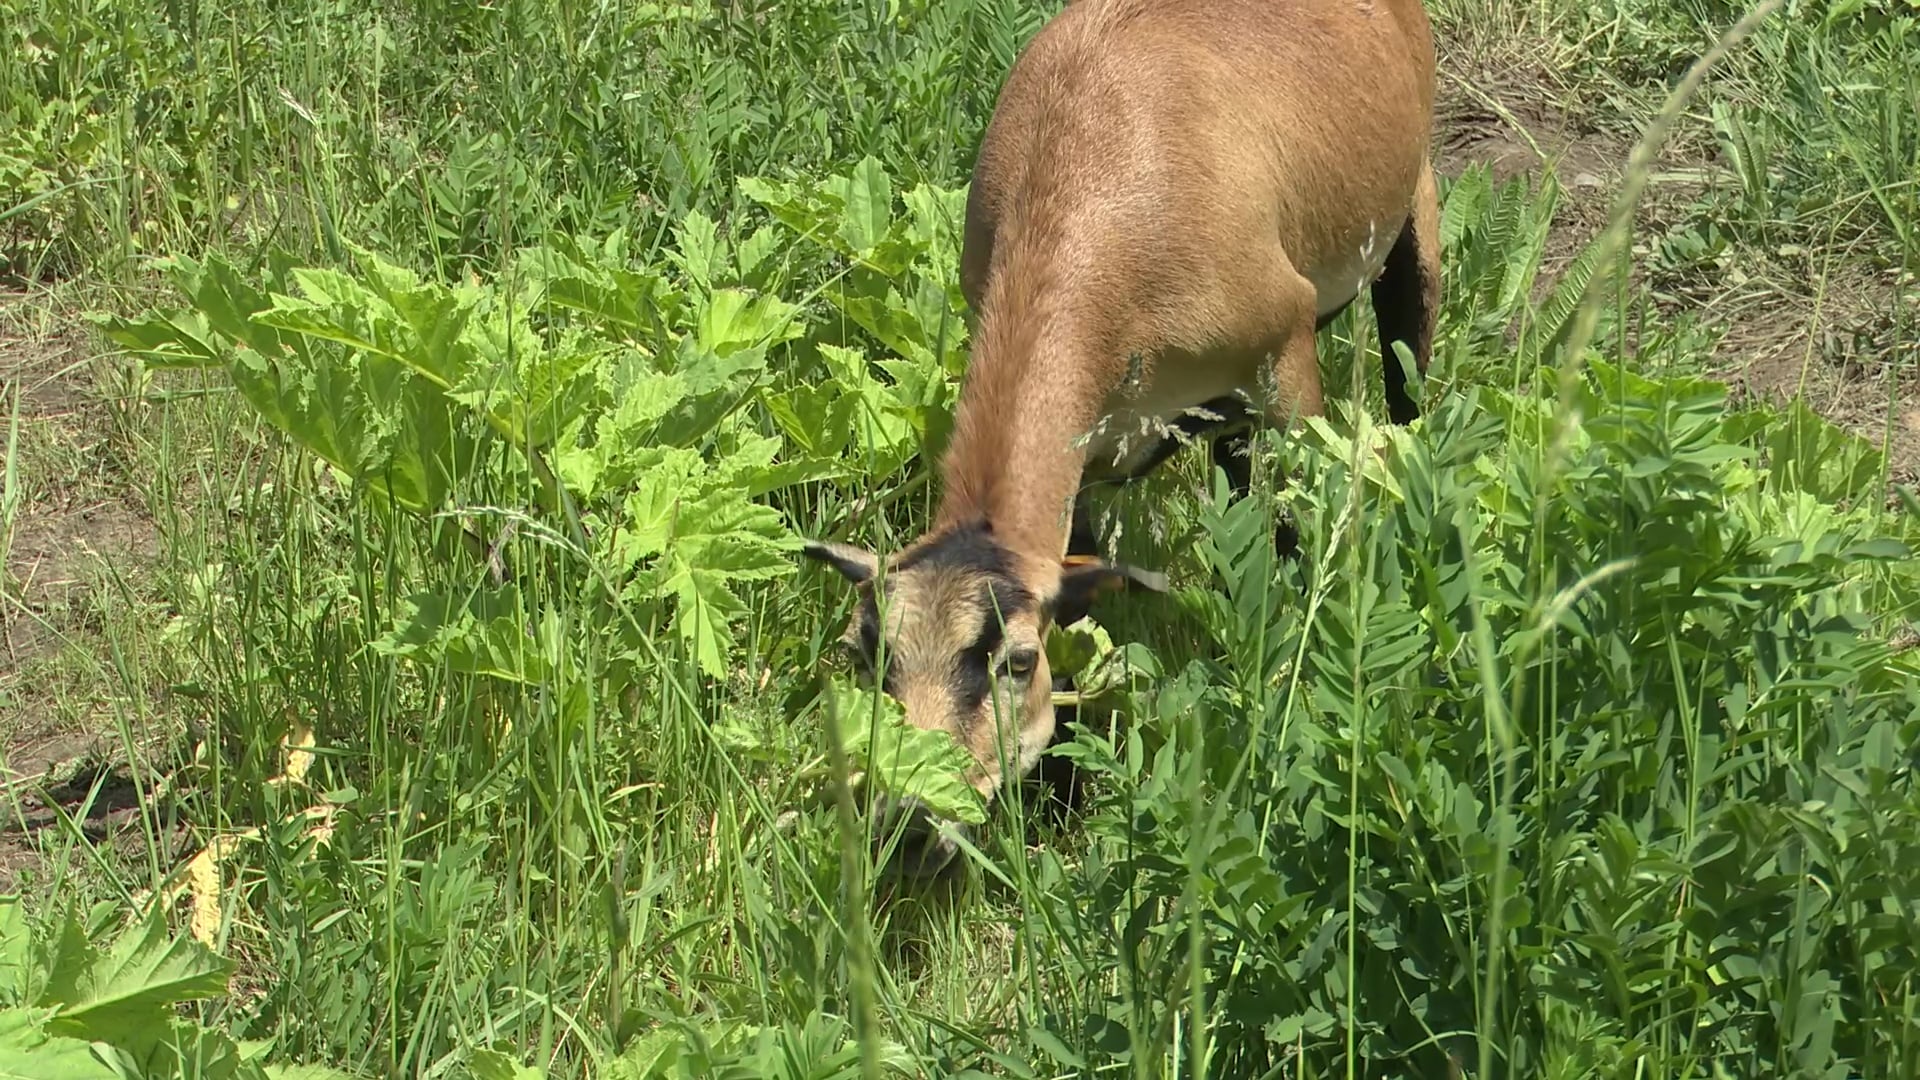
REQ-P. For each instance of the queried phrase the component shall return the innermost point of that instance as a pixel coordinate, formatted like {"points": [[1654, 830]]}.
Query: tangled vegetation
{"points": [[482, 366]]}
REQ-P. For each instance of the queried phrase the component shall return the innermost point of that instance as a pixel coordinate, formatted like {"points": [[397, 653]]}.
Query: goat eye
{"points": [[1020, 664]]}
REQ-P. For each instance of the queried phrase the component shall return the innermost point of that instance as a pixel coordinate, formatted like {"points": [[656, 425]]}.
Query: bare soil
{"points": [[1825, 332], [78, 525]]}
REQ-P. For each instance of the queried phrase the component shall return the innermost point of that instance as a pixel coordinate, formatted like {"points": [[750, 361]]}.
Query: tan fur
{"points": [[1191, 183], [927, 623], [1169, 196]]}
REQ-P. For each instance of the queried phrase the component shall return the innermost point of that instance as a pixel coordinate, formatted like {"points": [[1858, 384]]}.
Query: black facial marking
{"points": [[970, 685], [969, 547], [1004, 598], [867, 649], [970, 679], [869, 622], [970, 682], [999, 596], [972, 547], [989, 637]]}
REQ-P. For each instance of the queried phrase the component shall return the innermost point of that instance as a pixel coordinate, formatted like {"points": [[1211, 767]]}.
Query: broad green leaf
{"points": [[1287, 1029], [137, 982], [765, 479], [867, 200], [903, 760], [696, 529], [165, 339], [663, 479], [567, 275], [848, 215], [755, 249], [484, 632], [728, 533], [19, 964], [626, 436], [733, 320], [323, 407], [229, 303], [1055, 1047], [335, 307], [27, 1052], [720, 539], [937, 215], [881, 428], [714, 386], [432, 319], [800, 210], [704, 608], [426, 448], [70, 962], [817, 419], [704, 372], [888, 319], [1807, 452], [184, 1049], [503, 340], [925, 396], [1085, 652], [1071, 649], [494, 1065], [651, 1056], [1879, 549], [888, 261], [375, 412], [531, 392], [701, 255], [746, 454]]}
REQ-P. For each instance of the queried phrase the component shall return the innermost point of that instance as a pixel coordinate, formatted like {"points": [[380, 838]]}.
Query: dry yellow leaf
{"points": [[298, 749]]}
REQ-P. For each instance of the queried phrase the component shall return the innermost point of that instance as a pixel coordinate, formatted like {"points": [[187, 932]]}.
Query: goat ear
{"points": [[854, 563], [1082, 578]]}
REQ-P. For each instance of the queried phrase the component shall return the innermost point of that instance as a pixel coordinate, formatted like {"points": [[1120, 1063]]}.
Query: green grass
{"points": [[1578, 745]]}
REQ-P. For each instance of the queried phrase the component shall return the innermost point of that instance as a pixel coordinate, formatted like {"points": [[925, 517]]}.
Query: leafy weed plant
{"points": [[1578, 743]]}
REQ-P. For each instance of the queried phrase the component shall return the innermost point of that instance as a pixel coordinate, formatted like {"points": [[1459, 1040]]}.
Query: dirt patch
{"points": [[1491, 123], [60, 550], [1842, 350], [1513, 124], [45, 368], [77, 513], [54, 778], [76, 523], [1509, 113]]}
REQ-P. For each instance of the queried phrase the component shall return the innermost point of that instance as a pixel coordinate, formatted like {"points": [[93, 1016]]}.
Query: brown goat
{"points": [[1172, 197]]}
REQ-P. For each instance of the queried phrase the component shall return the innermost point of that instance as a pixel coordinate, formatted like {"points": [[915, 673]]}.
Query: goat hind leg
{"points": [[1406, 297]]}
